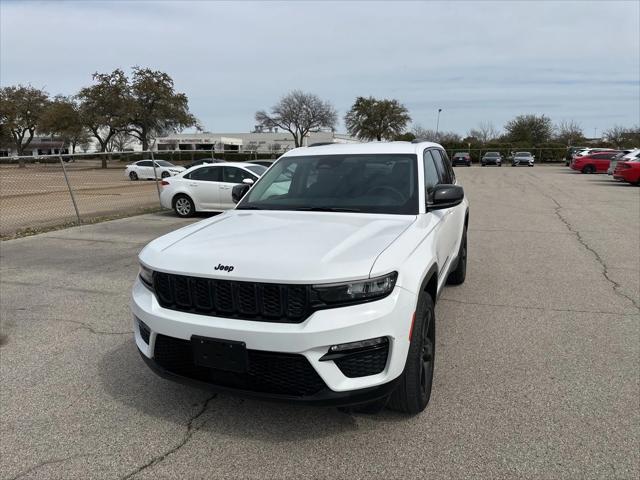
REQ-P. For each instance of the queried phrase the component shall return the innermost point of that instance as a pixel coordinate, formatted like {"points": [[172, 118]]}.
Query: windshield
{"points": [[492, 154], [164, 163], [460, 155], [379, 183], [523, 154], [257, 169]]}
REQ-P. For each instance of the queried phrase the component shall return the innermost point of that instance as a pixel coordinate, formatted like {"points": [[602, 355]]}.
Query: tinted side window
{"points": [[445, 177], [447, 166], [207, 174], [431, 178], [235, 175], [145, 163]]}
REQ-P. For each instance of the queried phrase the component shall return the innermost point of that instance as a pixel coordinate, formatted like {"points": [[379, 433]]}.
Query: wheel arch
{"points": [[430, 283]]}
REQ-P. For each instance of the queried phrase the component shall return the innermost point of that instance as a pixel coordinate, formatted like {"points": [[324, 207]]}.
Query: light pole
{"points": [[438, 123]]}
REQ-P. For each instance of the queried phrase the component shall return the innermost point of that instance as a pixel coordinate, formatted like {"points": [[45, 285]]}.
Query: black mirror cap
{"points": [[445, 196], [239, 191]]}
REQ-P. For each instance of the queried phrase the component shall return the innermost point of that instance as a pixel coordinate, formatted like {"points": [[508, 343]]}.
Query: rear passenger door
{"points": [[231, 176], [602, 161]]}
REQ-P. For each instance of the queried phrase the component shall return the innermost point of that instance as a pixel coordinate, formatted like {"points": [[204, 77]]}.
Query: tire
{"points": [[499, 164], [165, 174], [482, 164], [414, 387], [183, 206], [133, 176], [458, 276], [588, 169]]}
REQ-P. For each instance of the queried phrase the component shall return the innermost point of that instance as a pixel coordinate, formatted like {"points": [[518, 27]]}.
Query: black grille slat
{"points": [[296, 301], [269, 372], [271, 301], [233, 299], [181, 290], [224, 296]]}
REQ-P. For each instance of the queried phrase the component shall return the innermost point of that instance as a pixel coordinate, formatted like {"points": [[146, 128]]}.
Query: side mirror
{"points": [[248, 181], [445, 196], [239, 191]]}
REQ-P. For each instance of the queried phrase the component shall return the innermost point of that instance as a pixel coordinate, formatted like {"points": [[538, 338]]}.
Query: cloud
{"points": [[476, 60]]}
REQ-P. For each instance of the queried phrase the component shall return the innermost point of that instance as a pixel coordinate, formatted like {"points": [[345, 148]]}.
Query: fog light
{"points": [[358, 345]]}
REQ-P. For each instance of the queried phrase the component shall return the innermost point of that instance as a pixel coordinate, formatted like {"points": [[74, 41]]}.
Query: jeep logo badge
{"points": [[225, 268]]}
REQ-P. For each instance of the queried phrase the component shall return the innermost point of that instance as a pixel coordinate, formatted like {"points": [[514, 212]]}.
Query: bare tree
{"points": [[484, 132], [569, 132], [623, 136], [299, 113], [424, 133], [120, 142]]}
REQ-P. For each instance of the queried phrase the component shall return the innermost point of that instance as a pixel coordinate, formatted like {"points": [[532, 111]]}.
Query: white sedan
{"points": [[144, 170], [207, 187]]}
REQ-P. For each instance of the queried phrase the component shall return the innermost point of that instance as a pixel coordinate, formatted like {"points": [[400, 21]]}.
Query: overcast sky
{"points": [[476, 60]]}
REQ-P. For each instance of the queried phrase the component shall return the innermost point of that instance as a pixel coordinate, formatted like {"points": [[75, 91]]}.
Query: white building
{"points": [[262, 142]]}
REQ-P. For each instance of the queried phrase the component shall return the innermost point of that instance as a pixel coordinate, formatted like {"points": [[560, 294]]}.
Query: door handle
{"points": [[193, 184]]}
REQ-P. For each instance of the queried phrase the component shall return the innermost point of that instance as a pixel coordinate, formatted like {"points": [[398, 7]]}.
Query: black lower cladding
{"points": [[268, 372], [144, 331], [362, 364]]}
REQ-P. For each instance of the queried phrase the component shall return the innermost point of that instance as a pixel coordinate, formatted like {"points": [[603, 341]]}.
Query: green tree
{"points": [[21, 111], [105, 107], [373, 119], [155, 107], [299, 113], [529, 129], [62, 119]]}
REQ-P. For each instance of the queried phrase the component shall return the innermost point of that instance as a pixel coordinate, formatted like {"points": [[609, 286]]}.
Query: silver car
{"points": [[522, 158]]}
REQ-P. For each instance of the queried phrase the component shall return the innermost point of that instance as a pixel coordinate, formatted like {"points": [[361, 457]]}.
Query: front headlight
{"points": [[356, 292], [146, 276]]}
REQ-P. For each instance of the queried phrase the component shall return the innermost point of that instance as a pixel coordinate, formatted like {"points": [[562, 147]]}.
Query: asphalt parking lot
{"points": [[537, 363]]}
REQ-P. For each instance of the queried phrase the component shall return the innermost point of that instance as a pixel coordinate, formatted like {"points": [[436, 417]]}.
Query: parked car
{"points": [[523, 158], [264, 163], [336, 306], [628, 170], [571, 151], [207, 187], [597, 162], [615, 159], [491, 158], [144, 170], [461, 158], [203, 161]]}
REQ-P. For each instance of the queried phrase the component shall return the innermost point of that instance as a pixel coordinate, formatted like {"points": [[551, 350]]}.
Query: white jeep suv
{"points": [[318, 287]]}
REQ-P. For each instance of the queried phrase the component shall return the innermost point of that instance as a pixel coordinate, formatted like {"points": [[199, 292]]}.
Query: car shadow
{"points": [[130, 382]]}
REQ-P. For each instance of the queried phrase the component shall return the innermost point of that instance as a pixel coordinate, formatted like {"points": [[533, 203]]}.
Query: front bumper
{"points": [[389, 317]]}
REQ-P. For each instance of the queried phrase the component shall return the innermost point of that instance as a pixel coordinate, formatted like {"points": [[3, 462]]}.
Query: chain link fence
{"points": [[37, 193]]}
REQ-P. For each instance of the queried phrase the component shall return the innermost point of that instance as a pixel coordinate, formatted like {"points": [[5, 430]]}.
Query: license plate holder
{"points": [[229, 355]]}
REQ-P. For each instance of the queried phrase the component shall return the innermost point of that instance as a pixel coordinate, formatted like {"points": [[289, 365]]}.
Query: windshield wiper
{"points": [[326, 209]]}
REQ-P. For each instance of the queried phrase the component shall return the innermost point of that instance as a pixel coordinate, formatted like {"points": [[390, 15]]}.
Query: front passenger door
{"points": [[204, 184], [231, 176]]}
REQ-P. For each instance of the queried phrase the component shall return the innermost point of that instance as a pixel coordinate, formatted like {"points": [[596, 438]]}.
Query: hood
{"points": [[277, 246]]}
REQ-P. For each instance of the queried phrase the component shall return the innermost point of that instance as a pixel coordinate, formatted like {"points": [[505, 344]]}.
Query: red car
{"points": [[628, 171], [597, 162]]}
